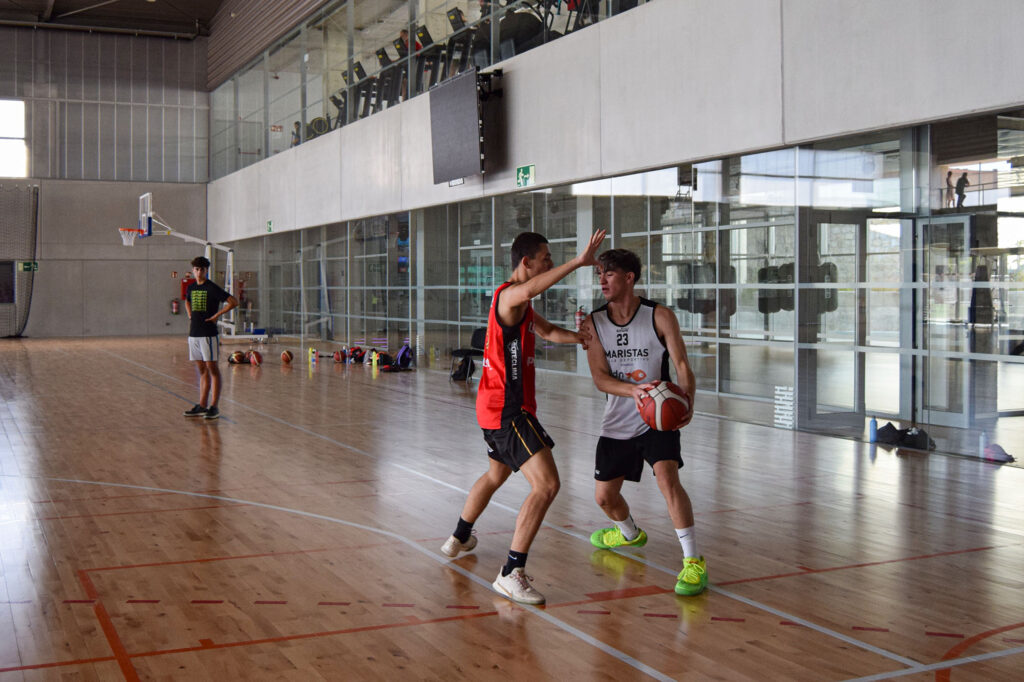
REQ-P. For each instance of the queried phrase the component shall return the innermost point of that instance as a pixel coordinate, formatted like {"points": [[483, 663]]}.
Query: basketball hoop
{"points": [[128, 235]]}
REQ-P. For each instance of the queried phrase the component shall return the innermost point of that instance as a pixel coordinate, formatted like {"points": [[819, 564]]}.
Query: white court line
{"points": [[963, 660], [750, 602], [579, 634]]}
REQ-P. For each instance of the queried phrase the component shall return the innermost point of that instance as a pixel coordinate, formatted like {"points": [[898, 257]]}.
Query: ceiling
{"points": [[184, 17]]}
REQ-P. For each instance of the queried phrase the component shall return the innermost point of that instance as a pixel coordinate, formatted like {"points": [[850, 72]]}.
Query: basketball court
{"points": [[298, 537]]}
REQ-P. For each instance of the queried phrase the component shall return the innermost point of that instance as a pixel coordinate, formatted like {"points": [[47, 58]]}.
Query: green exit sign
{"points": [[526, 176], [28, 266], [270, 226]]}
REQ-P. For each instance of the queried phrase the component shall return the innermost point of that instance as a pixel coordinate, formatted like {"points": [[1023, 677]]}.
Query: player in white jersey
{"points": [[635, 342]]}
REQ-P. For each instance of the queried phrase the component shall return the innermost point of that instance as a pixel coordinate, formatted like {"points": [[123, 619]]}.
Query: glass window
{"points": [[13, 150]]}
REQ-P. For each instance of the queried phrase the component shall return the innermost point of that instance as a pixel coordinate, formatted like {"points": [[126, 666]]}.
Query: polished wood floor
{"points": [[297, 538]]}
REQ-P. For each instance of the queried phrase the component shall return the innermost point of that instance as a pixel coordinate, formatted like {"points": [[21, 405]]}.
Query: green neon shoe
{"points": [[607, 538], [693, 579]]}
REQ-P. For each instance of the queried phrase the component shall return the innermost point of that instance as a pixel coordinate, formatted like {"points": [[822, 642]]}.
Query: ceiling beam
{"points": [[48, 12], [86, 9]]}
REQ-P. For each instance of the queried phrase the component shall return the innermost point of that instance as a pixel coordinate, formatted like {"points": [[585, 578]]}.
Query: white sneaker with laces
{"points": [[516, 586], [452, 546]]}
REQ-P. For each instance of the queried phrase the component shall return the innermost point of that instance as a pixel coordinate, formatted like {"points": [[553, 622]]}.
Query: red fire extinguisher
{"points": [[580, 316], [175, 306]]}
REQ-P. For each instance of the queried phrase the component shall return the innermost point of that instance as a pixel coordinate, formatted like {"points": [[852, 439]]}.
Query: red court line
{"points": [[142, 601], [729, 620], [207, 601], [1014, 641], [944, 634], [260, 601], [812, 571], [135, 512], [107, 624], [457, 606], [79, 601], [789, 622], [205, 560], [399, 605], [595, 612], [334, 603], [99, 498], [660, 615], [943, 675], [866, 629]]}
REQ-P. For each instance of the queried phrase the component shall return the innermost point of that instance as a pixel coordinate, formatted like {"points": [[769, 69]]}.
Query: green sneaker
{"points": [[607, 538], [693, 579]]}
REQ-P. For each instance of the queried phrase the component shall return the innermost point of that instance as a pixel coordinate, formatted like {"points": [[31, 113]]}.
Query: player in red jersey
{"points": [[506, 406]]}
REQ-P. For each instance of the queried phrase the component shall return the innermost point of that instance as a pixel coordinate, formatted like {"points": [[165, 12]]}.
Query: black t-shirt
{"points": [[205, 299]]}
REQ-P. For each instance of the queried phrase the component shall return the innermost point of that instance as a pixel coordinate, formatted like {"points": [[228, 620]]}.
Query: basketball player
{"points": [[203, 300], [633, 341], [506, 407]]}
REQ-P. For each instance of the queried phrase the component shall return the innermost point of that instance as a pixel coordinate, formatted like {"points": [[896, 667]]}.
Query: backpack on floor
{"points": [[464, 370]]}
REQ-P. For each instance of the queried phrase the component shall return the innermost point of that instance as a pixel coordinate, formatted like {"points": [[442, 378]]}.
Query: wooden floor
{"points": [[297, 538]]}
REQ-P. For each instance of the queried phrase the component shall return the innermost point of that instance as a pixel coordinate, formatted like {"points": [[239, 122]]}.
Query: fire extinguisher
{"points": [[175, 306], [580, 316]]}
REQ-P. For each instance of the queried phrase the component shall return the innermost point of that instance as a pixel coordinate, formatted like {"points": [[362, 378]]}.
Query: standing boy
{"points": [[633, 342], [506, 407], [203, 300]]}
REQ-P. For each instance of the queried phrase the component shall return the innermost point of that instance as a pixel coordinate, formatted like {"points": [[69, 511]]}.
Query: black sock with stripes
{"points": [[515, 560], [463, 530]]}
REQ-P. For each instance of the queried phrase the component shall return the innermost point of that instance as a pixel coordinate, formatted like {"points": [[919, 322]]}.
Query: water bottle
{"points": [[873, 430], [982, 444]]}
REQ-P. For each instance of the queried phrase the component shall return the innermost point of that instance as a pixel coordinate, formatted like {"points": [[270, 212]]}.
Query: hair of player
{"points": [[200, 262], [622, 260], [526, 245]]}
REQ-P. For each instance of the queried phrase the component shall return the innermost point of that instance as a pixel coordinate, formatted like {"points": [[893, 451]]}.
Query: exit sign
{"points": [[526, 176], [28, 266]]}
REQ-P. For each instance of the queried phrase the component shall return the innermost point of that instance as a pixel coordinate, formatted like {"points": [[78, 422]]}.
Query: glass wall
{"points": [[838, 272], [355, 58]]}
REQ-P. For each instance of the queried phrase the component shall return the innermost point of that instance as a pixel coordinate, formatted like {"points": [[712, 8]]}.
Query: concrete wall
{"points": [[88, 283], [668, 82]]}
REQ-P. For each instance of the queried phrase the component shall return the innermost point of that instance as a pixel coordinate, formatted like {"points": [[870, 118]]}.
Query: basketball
{"points": [[255, 358], [286, 356], [339, 356], [666, 408], [237, 358]]}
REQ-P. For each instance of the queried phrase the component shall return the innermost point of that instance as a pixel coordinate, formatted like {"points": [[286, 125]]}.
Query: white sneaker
{"points": [[516, 586], [452, 546]]}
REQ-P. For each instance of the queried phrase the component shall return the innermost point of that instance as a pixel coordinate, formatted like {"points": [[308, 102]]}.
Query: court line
{"points": [[813, 626], [444, 562], [952, 663]]}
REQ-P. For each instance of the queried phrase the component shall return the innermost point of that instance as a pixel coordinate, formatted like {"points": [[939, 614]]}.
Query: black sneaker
{"points": [[196, 411], [211, 413]]}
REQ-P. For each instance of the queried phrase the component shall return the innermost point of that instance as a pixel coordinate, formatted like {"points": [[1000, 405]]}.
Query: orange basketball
{"points": [[666, 408], [286, 356], [237, 358], [255, 358]]}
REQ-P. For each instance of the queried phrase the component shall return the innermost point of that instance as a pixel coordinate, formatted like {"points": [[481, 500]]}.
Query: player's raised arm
{"points": [[520, 293]]}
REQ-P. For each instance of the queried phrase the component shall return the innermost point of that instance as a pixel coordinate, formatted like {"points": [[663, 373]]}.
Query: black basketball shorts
{"points": [[517, 441], [626, 457]]}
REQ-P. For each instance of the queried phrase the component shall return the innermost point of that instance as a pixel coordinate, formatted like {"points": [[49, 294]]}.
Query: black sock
{"points": [[463, 530], [515, 560]]}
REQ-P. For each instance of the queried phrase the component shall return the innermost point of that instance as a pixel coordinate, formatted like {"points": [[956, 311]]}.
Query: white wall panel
{"points": [[317, 172], [276, 192], [853, 66], [371, 165]]}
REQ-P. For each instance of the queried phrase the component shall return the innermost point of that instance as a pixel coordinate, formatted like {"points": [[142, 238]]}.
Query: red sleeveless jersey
{"points": [[507, 381]]}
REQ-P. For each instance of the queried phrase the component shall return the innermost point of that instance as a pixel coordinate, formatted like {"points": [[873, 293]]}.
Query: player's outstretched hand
{"points": [[585, 336], [589, 255]]}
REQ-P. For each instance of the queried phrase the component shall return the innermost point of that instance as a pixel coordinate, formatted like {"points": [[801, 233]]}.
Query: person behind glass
{"points": [[404, 35], [634, 341], [949, 189], [961, 190], [297, 134], [205, 302], [506, 407]]}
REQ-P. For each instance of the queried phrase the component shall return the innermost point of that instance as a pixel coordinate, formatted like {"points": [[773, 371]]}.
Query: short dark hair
{"points": [[200, 262], [623, 260], [526, 245]]}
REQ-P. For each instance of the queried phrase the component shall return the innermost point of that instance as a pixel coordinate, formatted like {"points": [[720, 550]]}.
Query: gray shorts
{"points": [[205, 348]]}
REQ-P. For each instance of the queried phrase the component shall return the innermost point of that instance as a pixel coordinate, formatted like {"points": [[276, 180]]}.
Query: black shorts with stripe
{"points": [[517, 440], [626, 457]]}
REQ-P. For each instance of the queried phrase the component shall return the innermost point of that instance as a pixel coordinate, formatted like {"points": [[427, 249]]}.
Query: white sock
{"points": [[688, 540], [628, 528]]}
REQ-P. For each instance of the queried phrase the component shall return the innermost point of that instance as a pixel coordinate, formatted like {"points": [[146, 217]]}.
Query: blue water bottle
{"points": [[873, 430]]}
